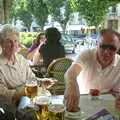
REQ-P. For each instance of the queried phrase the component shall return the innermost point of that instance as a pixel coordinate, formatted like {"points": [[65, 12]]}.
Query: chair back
{"points": [[57, 69]]}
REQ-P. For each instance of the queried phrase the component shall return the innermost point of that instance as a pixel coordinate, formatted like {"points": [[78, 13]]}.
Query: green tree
{"points": [[39, 10], [5, 6], [93, 11], [19, 11], [60, 11]]}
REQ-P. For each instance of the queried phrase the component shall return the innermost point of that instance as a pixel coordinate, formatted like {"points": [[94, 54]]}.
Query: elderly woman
{"points": [[14, 69]]}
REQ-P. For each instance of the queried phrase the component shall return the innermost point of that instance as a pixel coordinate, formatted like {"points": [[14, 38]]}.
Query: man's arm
{"points": [[12, 95], [72, 93]]}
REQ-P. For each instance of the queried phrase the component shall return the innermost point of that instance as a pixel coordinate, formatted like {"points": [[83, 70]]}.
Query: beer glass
{"points": [[56, 112], [56, 108], [31, 89], [42, 102]]}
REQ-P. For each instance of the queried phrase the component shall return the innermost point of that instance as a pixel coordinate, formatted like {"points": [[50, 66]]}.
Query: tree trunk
{"points": [[5, 11], [6, 6], [1, 12], [63, 27], [42, 27]]}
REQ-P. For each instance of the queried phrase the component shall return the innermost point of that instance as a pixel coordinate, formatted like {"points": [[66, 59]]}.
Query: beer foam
{"points": [[56, 108], [42, 100]]}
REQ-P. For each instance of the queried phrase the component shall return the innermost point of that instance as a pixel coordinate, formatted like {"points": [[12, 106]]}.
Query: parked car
{"points": [[79, 39], [68, 43], [92, 39]]}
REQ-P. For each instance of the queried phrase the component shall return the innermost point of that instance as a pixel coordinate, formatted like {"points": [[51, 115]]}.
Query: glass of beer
{"points": [[31, 89], [56, 108], [42, 102], [56, 111]]}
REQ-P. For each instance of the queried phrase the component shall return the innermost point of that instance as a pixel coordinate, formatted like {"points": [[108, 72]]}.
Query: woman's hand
{"points": [[47, 82]]}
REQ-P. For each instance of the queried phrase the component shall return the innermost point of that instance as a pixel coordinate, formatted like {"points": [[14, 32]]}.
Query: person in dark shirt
{"points": [[53, 49]]}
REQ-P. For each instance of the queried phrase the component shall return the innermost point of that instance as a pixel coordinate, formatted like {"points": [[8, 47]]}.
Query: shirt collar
{"points": [[4, 60]]}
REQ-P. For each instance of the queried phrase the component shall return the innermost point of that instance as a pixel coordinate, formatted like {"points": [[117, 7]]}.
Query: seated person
{"points": [[52, 49], [36, 44], [14, 69], [97, 68]]}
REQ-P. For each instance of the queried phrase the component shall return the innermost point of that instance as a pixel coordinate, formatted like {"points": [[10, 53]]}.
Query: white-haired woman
{"points": [[14, 69]]}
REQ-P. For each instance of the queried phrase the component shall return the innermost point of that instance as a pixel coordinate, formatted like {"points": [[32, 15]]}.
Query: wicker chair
{"points": [[56, 70], [39, 70]]}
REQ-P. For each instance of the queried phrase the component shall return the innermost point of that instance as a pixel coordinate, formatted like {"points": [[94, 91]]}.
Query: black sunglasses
{"points": [[108, 46]]}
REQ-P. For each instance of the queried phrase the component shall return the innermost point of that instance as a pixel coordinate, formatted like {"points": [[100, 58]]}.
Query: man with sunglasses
{"points": [[94, 69]]}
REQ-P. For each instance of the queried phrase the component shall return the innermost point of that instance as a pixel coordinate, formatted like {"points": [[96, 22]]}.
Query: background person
{"points": [[36, 44], [97, 68], [53, 48]]}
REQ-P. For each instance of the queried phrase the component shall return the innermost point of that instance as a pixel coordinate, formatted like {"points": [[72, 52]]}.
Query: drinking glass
{"points": [[94, 94], [56, 108], [42, 102], [31, 89]]}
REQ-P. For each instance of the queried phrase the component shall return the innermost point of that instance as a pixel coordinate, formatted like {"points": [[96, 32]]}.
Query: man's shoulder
{"points": [[88, 52], [86, 55]]}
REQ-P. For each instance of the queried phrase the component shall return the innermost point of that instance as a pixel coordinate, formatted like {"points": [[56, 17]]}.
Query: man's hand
{"points": [[71, 98]]}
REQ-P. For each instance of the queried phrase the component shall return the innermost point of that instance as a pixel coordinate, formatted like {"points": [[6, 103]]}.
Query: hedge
{"points": [[27, 37]]}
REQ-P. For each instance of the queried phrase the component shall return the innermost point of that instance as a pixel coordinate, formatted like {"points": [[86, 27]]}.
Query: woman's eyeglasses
{"points": [[108, 46]]}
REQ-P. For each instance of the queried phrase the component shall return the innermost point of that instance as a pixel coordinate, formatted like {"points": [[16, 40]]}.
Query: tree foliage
{"points": [[60, 10], [19, 11], [39, 10], [93, 11]]}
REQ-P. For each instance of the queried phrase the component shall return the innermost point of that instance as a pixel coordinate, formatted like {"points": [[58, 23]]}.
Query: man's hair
{"points": [[7, 28], [111, 31]]}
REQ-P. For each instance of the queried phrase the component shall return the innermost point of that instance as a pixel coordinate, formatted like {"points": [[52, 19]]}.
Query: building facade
{"points": [[113, 18]]}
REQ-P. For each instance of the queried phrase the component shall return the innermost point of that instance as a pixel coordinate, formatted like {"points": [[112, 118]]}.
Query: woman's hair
{"points": [[38, 38], [7, 28], [52, 35]]}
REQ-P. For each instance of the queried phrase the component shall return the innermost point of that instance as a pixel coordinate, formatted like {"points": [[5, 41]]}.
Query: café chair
{"points": [[39, 70], [56, 70]]}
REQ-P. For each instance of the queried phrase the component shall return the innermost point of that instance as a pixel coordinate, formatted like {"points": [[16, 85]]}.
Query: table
{"points": [[90, 107]]}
